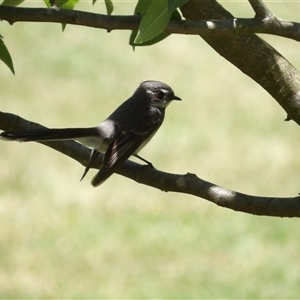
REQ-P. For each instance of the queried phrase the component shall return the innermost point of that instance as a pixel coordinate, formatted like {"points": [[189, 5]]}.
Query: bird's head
{"points": [[158, 93]]}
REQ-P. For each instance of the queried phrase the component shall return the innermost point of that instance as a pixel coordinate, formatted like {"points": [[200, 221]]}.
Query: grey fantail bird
{"points": [[124, 133]]}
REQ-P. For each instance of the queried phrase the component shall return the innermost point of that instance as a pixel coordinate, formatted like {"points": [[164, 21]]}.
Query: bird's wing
{"points": [[125, 144]]}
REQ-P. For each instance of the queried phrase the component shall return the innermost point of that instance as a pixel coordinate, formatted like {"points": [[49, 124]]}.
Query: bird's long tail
{"points": [[55, 134]]}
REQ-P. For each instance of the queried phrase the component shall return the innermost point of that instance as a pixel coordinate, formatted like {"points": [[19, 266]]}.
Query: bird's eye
{"points": [[161, 95]]}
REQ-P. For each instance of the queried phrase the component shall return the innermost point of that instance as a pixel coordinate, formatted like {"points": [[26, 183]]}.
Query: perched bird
{"points": [[124, 133]]}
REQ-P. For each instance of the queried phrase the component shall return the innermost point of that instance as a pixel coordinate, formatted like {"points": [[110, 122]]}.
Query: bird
{"points": [[124, 133]]}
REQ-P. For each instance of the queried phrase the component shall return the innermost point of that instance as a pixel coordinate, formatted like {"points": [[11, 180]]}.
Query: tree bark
{"points": [[252, 55]]}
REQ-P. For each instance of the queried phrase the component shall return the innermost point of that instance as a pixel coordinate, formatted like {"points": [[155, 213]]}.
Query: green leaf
{"points": [[157, 39], [142, 7], [174, 4], [109, 6], [65, 4], [160, 37], [154, 21], [12, 2], [5, 56], [70, 4]]}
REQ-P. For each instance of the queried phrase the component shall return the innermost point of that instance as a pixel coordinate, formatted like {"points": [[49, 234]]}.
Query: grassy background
{"points": [[62, 238]]}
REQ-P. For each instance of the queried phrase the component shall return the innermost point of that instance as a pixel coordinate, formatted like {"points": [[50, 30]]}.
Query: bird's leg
{"points": [[144, 160], [93, 156]]}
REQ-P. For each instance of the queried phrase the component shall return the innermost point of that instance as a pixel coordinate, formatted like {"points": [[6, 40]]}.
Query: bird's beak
{"points": [[176, 98]]}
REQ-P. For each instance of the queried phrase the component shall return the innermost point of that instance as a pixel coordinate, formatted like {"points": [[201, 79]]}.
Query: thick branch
{"points": [[251, 55], [187, 184], [232, 25]]}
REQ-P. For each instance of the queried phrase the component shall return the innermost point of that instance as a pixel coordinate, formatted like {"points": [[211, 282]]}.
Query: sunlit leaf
{"points": [[5, 56], [70, 4], [154, 21], [65, 4]]}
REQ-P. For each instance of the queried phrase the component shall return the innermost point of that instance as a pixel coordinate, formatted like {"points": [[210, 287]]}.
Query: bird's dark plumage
{"points": [[124, 133]]}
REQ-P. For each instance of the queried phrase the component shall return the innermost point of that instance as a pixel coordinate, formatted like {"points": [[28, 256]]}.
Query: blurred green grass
{"points": [[61, 238]]}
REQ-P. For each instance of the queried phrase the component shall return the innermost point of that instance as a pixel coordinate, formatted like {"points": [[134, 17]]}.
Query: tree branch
{"points": [[252, 55], [269, 69], [260, 9], [186, 184], [231, 25]]}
